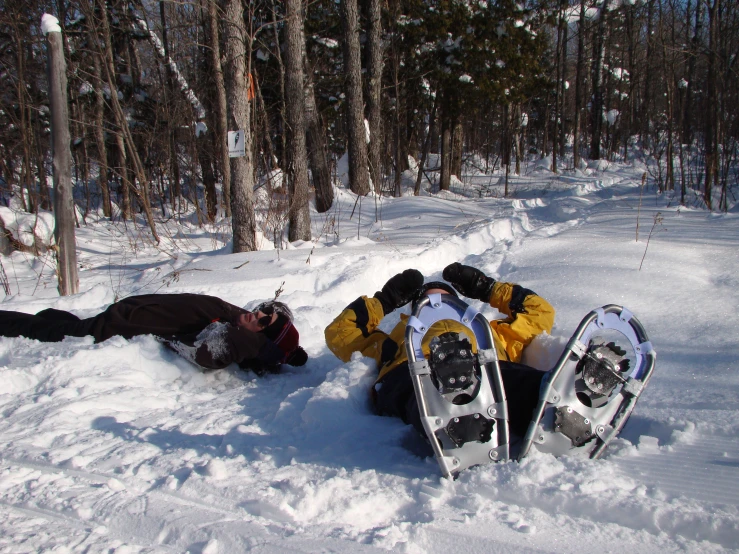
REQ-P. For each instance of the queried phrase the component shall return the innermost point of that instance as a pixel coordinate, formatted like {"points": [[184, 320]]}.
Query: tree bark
{"points": [[646, 107], [242, 169], [174, 165], [281, 145], [99, 132], [446, 152], [221, 108], [297, 168], [425, 152], [687, 130], [68, 281], [579, 86], [126, 145], [599, 51], [358, 170], [710, 112], [457, 148], [317, 150], [374, 96]]}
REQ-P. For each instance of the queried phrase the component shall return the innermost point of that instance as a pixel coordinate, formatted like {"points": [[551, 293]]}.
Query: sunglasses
{"points": [[266, 319]]}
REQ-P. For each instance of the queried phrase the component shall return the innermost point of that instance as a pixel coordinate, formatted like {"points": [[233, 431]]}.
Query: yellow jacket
{"points": [[355, 329]]}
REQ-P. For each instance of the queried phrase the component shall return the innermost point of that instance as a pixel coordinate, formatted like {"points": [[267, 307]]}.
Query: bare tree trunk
{"points": [[99, 131], [26, 173], [203, 153], [374, 96], [693, 54], [563, 88], [125, 140], [62, 162], [396, 156], [358, 170], [242, 168], [446, 153], [297, 169], [317, 150], [599, 51], [397, 149], [559, 88], [669, 68], [424, 154], [221, 115], [710, 125], [517, 137], [457, 148], [507, 145], [174, 165], [646, 108], [282, 146], [579, 86], [125, 182]]}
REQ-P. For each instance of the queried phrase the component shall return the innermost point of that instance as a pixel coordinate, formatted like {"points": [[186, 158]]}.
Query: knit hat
{"points": [[284, 334], [423, 289]]}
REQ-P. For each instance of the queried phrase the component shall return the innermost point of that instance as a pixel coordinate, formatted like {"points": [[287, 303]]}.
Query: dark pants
{"points": [[396, 396], [47, 326]]}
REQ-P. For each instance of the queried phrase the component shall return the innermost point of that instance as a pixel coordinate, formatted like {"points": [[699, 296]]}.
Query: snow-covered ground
{"points": [[124, 447]]}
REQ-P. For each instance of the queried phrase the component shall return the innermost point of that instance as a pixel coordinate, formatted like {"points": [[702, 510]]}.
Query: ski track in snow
{"points": [[125, 447]]}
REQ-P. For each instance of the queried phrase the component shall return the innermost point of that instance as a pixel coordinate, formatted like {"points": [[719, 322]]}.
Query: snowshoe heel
{"points": [[590, 393], [458, 386]]}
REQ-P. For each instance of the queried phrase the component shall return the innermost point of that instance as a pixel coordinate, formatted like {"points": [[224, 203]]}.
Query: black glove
{"points": [[470, 282], [298, 357], [399, 290]]}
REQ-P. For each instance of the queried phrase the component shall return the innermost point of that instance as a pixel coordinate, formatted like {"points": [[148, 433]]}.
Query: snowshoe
{"points": [[587, 397], [458, 386]]}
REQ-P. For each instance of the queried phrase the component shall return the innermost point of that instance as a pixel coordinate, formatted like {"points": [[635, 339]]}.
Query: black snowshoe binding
{"points": [[459, 390], [592, 390]]}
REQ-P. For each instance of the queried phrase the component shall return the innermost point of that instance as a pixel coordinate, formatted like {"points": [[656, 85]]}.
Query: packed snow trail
{"points": [[123, 446]]}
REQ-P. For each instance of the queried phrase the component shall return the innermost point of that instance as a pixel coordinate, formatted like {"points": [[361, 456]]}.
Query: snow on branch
{"points": [[184, 87]]}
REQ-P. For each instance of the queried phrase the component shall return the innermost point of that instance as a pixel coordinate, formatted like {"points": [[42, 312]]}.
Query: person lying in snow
{"points": [[527, 315], [203, 329]]}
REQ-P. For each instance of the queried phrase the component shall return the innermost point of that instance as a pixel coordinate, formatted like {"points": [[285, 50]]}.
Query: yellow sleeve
{"points": [[355, 330], [528, 315]]}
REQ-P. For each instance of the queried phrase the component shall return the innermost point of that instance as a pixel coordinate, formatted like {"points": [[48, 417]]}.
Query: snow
{"points": [[194, 101], [28, 229], [125, 447], [201, 128], [50, 24]]}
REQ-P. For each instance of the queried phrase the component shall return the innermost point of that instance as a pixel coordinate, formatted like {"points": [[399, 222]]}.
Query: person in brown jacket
{"points": [[205, 330]]}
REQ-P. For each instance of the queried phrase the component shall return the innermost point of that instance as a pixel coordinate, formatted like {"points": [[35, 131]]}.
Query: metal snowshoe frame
{"points": [[562, 423], [474, 432]]}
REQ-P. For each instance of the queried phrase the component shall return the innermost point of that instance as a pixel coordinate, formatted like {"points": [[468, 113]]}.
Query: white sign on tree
{"points": [[236, 144]]}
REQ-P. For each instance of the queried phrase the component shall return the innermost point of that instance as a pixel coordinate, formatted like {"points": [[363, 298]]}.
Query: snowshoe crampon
{"points": [[458, 386], [592, 390]]}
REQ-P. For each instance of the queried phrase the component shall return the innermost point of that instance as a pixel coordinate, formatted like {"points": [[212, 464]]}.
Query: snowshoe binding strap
{"points": [[590, 393], [459, 390]]}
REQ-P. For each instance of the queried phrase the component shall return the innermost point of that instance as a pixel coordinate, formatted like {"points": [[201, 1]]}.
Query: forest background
{"points": [[154, 87]]}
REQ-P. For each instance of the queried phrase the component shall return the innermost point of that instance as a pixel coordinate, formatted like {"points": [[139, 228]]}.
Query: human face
{"points": [[436, 291], [257, 321]]}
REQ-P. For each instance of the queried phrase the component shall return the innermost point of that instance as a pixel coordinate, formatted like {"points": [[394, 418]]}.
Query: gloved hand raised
{"points": [[399, 290], [470, 282]]}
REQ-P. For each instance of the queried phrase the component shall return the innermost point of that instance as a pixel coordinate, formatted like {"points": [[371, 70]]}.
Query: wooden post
{"points": [[61, 160]]}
